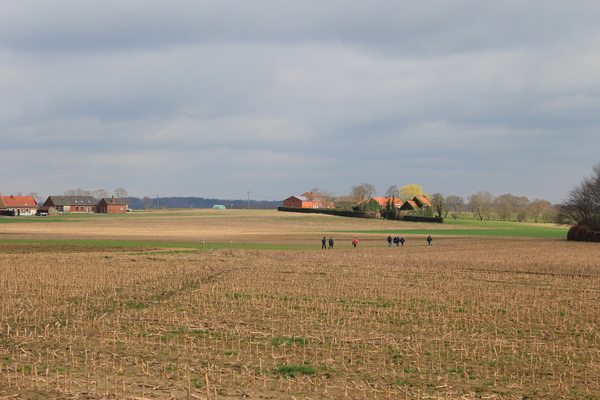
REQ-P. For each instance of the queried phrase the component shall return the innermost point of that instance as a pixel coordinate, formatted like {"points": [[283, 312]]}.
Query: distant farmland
{"points": [[470, 317]]}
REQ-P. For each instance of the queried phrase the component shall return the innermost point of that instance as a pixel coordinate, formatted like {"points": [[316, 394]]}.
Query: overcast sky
{"points": [[218, 98]]}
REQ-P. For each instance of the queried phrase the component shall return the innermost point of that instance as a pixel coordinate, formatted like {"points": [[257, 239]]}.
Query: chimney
{"points": [[112, 200]]}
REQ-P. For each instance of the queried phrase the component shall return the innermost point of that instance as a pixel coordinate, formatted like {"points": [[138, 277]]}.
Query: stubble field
{"points": [[470, 317]]}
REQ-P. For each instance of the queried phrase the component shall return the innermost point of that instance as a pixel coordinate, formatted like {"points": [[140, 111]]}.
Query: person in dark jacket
{"points": [[402, 241], [331, 242], [323, 243], [390, 241], [429, 240]]}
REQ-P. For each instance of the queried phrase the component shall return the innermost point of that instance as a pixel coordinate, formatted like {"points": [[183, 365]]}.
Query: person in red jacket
{"points": [[354, 242]]}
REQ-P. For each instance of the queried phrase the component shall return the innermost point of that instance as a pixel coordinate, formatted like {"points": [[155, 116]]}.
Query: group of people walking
{"points": [[397, 241], [324, 243]]}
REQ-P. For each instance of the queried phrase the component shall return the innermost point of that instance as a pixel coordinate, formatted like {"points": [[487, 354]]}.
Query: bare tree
{"points": [[147, 202], [392, 192], [538, 208], [100, 194], [522, 207], [362, 193], [391, 210], [38, 199], [327, 198], [481, 204], [121, 193], [78, 192], [438, 202], [504, 207], [583, 201], [456, 206]]}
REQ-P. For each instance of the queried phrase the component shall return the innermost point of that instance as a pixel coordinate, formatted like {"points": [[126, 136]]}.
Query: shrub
{"points": [[414, 218], [582, 233]]}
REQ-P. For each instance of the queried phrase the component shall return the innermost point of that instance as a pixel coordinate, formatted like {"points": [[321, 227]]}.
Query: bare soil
{"points": [[466, 318]]}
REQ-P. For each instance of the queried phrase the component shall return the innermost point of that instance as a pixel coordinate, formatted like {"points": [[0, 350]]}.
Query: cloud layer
{"points": [[215, 99]]}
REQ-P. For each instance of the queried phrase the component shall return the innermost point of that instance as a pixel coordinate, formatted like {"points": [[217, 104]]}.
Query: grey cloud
{"points": [[413, 27], [458, 95]]}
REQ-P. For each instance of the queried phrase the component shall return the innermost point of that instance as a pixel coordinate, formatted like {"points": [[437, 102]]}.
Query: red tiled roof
{"points": [[424, 200], [384, 200], [19, 201]]}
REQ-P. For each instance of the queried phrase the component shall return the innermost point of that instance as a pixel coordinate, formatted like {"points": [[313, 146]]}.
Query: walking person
{"points": [[429, 240], [390, 241], [331, 242], [354, 242], [396, 241], [323, 243], [402, 241]]}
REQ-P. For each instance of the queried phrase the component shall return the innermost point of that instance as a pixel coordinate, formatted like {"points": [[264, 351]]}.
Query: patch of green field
{"points": [[28, 220], [483, 228]]}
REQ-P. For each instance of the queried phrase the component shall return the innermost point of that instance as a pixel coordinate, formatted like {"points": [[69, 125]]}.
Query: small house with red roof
{"points": [[417, 203], [318, 200], [422, 201], [383, 201], [18, 205], [112, 206], [307, 200], [298, 202]]}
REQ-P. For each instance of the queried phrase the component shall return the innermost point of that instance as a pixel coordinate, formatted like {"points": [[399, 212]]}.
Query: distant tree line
{"points": [[148, 203], [481, 205]]}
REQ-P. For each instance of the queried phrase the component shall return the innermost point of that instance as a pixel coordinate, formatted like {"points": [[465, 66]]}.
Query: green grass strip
{"points": [[549, 233], [480, 228]]}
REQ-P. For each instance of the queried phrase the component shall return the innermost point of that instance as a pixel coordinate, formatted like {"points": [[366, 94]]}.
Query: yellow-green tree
{"points": [[409, 191]]}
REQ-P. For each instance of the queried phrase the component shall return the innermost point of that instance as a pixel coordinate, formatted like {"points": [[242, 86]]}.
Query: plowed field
{"points": [[470, 317]]}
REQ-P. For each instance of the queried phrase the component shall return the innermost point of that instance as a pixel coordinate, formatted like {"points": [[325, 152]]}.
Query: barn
{"points": [[72, 204], [112, 205]]}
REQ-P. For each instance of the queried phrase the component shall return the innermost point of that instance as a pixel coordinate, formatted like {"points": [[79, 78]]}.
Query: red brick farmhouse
{"points": [[112, 206]]}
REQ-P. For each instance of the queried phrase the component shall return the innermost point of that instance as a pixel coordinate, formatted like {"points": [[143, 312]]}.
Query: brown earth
{"points": [[466, 318], [220, 226]]}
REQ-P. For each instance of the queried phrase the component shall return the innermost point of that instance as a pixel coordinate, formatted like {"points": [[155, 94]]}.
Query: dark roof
{"points": [[117, 201], [409, 205], [72, 200]]}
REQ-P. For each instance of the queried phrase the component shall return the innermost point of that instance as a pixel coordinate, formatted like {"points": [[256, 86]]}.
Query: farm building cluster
{"points": [[314, 200], [27, 205]]}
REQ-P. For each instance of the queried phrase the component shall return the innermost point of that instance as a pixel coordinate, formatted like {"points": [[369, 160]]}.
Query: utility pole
{"points": [[248, 199], [157, 207]]}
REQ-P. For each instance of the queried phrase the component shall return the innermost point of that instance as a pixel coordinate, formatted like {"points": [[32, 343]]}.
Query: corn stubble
{"points": [[500, 319]]}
